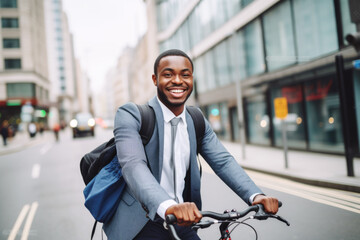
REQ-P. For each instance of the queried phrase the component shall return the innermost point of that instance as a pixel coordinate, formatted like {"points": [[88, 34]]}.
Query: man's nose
{"points": [[177, 79]]}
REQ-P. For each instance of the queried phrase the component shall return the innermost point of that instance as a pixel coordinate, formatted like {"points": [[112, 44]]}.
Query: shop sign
{"points": [[281, 107]]}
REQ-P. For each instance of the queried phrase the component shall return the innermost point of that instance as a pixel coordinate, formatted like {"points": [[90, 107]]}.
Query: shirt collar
{"points": [[168, 114]]}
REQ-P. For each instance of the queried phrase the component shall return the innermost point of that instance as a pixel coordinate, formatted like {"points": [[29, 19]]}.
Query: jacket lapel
{"points": [[156, 160]]}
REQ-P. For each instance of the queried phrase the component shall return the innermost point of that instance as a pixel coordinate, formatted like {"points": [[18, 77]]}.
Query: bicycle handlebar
{"points": [[260, 214]]}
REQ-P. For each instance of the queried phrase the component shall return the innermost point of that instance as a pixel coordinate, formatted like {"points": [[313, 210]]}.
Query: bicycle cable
{"points": [[246, 224]]}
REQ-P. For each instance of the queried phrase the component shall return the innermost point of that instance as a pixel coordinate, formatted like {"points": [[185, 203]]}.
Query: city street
{"points": [[41, 189]]}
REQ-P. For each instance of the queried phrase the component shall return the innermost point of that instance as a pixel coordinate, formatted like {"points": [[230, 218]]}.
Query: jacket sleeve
{"points": [[225, 166], [132, 158]]}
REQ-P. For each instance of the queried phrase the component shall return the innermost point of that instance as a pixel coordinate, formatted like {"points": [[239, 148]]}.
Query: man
{"points": [[154, 189]]}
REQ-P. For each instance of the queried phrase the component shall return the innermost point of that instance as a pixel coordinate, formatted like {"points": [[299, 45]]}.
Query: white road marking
{"points": [[45, 148], [18, 222], [35, 173], [29, 221]]}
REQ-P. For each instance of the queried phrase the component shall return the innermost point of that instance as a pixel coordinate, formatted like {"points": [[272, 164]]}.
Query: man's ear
{"points": [[154, 79]]}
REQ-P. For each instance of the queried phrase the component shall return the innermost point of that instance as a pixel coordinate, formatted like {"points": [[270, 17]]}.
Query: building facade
{"points": [[259, 50], [62, 66], [24, 80]]}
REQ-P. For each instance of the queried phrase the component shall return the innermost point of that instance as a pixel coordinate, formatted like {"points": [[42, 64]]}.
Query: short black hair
{"points": [[171, 52]]}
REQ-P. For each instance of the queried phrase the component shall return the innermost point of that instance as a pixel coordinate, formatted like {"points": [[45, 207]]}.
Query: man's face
{"points": [[174, 82]]}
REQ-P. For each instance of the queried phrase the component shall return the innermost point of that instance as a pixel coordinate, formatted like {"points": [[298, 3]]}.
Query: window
{"points": [[200, 74], [10, 22], [222, 72], [210, 80], [323, 115], [232, 7], [8, 3], [279, 36], [257, 120], [295, 122], [253, 48], [12, 63], [23, 90], [357, 100], [315, 26], [11, 43]]}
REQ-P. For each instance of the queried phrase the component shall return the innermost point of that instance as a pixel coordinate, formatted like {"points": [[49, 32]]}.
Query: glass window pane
{"points": [[247, 2], [238, 56], [225, 133], [232, 7], [10, 22], [210, 70], [215, 119], [218, 13], [295, 119], [11, 43], [24, 90], [315, 25], [253, 48], [348, 26], [204, 18], [323, 115], [257, 121], [279, 36], [12, 63], [222, 66], [200, 74], [357, 100], [8, 3]]}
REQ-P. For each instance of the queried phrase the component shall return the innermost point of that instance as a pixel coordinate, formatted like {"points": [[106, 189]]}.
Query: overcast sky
{"points": [[102, 29]]}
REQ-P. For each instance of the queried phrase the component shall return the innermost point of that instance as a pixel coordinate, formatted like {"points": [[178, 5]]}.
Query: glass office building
{"points": [[274, 48]]}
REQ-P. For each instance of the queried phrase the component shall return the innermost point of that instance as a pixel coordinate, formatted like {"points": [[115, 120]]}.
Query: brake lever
{"points": [[202, 224], [262, 215], [281, 219]]}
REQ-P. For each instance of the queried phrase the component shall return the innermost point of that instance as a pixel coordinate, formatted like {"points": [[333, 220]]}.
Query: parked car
{"points": [[83, 124]]}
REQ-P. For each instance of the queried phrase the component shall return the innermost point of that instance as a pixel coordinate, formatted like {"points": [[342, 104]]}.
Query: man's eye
{"points": [[167, 75]]}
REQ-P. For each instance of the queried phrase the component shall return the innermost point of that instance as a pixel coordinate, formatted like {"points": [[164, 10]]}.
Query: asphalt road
{"points": [[41, 199]]}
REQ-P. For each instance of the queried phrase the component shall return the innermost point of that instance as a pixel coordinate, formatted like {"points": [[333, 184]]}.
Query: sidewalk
{"points": [[23, 140], [323, 170], [317, 169]]}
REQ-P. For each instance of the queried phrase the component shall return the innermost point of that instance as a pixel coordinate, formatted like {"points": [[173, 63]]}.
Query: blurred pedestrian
{"points": [[41, 128], [32, 129], [56, 130], [5, 131]]}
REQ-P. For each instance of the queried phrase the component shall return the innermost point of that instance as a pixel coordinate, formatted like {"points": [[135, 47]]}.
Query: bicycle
{"points": [[226, 219]]}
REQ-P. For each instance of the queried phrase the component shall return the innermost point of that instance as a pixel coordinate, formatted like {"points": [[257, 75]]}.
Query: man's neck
{"points": [[174, 109]]}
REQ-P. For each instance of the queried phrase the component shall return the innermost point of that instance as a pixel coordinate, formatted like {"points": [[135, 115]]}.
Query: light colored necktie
{"points": [[174, 122]]}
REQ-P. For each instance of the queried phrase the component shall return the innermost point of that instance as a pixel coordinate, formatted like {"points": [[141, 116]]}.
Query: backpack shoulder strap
{"points": [[147, 122], [199, 124]]}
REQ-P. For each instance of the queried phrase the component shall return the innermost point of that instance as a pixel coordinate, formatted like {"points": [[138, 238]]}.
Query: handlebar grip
{"points": [[170, 219], [280, 204]]}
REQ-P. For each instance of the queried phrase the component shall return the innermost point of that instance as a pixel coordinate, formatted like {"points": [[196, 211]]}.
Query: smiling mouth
{"points": [[177, 90]]}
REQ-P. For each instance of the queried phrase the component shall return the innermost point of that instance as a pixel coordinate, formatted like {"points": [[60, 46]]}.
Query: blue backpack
{"points": [[101, 170]]}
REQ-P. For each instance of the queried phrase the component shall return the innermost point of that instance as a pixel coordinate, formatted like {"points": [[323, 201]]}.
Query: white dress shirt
{"points": [[181, 157]]}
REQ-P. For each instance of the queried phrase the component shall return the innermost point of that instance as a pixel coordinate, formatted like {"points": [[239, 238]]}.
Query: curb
{"points": [[313, 182]]}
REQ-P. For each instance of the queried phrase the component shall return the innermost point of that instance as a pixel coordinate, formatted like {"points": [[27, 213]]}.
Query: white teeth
{"points": [[177, 91]]}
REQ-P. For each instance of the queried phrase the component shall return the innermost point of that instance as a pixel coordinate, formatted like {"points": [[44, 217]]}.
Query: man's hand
{"points": [[186, 213], [271, 204]]}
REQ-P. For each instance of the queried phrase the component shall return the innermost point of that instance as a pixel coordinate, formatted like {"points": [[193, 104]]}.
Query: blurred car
{"points": [[83, 124]]}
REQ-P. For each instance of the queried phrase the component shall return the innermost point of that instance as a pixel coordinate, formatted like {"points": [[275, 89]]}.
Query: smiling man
{"points": [[163, 177]]}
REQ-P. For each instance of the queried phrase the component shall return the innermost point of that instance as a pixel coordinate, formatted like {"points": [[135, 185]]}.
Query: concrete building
{"points": [[249, 52], [24, 78], [61, 62]]}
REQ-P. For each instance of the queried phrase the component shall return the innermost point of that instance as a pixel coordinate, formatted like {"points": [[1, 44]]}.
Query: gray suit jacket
{"points": [[141, 169]]}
